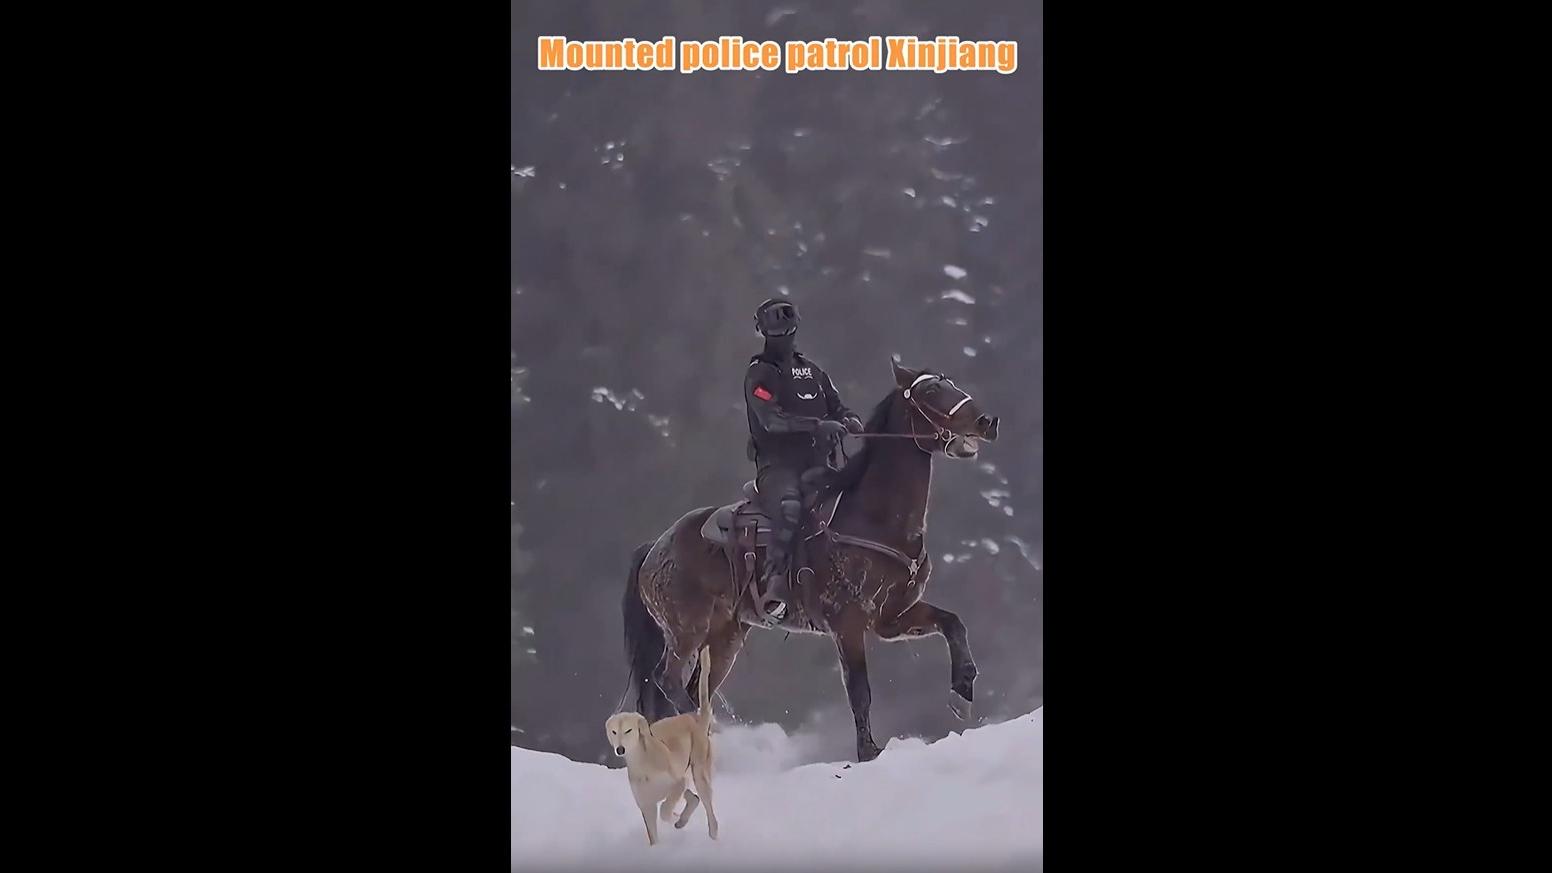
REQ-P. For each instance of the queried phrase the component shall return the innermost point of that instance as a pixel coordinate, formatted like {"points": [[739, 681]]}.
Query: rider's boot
{"points": [[773, 600]]}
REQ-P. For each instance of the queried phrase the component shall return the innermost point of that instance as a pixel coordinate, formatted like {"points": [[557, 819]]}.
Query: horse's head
{"points": [[952, 415]]}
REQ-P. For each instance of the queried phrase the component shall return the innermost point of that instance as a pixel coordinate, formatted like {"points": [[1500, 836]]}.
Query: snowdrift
{"points": [[970, 801]]}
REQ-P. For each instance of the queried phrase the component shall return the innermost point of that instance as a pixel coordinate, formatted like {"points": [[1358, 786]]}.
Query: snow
{"points": [[954, 272], [970, 801], [603, 394]]}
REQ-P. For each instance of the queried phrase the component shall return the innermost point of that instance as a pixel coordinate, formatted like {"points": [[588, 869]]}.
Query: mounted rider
{"points": [[795, 417]]}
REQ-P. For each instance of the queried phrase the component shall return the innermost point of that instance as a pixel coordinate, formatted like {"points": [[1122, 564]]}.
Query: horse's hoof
{"points": [[962, 708], [867, 753]]}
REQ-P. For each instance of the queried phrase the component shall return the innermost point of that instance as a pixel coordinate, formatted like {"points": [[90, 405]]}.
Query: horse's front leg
{"points": [[851, 643], [923, 619]]}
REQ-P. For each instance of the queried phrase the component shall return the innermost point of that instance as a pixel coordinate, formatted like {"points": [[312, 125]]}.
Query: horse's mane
{"points": [[849, 475]]}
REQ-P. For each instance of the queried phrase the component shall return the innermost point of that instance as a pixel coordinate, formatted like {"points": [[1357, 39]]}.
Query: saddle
{"points": [[741, 529], [723, 525]]}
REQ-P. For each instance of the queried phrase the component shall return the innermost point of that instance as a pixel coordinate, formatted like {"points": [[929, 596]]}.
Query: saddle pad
{"points": [[719, 524]]}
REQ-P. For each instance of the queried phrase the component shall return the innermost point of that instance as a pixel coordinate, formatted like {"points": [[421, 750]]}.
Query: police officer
{"points": [[795, 417]]}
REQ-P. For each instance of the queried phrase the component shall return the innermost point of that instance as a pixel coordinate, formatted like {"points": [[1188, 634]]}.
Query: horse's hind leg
{"points": [[679, 659], [923, 619], [686, 611], [674, 675], [726, 642]]}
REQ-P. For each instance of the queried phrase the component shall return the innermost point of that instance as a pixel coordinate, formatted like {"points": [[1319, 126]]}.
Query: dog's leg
{"points": [[690, 803], [701, 771], [651, 823], [666, 809], [648, 806]]}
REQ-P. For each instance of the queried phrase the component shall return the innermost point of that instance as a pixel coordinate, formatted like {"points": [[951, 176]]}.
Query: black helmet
{"points": [[776, 317]]}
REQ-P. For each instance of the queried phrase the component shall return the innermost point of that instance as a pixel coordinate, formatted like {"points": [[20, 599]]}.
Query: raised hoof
{"points": [[963, 709]]}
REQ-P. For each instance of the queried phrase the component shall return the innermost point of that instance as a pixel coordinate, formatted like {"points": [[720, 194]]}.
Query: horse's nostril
{"points": [[983, 422]]}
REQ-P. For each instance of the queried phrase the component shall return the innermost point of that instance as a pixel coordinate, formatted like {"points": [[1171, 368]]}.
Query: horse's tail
{"points": [[644, 645]]}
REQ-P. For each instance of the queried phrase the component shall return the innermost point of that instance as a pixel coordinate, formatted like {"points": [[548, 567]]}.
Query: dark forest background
{"points": [[651, 213]]}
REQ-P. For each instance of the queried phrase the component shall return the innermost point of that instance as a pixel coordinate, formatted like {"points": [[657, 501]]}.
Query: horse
{"points": [[870, 560]]}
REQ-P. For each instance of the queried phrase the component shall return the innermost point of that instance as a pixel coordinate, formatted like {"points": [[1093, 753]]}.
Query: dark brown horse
{"points": [[870, 561]]}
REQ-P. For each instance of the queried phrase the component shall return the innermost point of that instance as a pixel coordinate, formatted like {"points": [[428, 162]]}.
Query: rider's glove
{"points": [[830, 430]]}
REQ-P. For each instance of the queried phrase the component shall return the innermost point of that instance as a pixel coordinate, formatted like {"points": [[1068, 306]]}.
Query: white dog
{"points": [[659, 756]]}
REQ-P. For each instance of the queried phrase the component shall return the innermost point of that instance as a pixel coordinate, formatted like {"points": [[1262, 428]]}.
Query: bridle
{"points": [[941, 432], [941, 435]]}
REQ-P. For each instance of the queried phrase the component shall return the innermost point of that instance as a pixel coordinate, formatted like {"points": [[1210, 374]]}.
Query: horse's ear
{"points": [[903, 376]]}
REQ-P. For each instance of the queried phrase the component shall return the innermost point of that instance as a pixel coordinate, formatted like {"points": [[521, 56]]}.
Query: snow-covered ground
{"points": [[970, 801]]}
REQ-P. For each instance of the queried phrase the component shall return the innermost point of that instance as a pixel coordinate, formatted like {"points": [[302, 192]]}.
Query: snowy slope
{"points": [[970, 801]]}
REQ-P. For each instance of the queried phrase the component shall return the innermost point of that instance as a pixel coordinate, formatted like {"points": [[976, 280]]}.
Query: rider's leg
{"points": [[781, 500]]}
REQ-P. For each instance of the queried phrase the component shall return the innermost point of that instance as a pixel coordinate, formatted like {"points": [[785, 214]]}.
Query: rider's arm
{"points": [[837, 409], [760, 394]]}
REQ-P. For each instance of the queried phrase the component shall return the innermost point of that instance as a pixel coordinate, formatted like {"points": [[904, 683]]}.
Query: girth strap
{"points": [[911, 564]]}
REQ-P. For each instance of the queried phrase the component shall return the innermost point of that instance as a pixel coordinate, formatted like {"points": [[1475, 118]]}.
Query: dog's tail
{"points": [[644, 646], [705, 671]]}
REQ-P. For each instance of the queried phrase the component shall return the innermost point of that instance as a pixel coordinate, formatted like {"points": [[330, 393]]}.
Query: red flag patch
{"points": [[760, 392]]}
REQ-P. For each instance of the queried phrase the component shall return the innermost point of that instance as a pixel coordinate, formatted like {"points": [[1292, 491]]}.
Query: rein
{"points": [[940, 434]]}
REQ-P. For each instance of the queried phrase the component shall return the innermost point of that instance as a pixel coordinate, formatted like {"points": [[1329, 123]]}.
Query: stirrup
{"points": [[773, 610]]}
